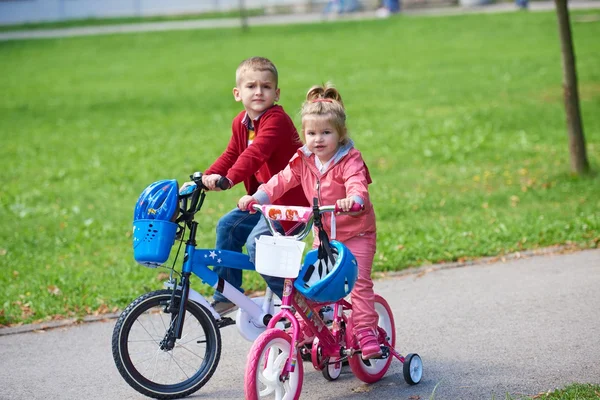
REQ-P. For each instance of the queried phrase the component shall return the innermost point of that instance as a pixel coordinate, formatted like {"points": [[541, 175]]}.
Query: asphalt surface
{"points": [[278, 20], [519, 327]]}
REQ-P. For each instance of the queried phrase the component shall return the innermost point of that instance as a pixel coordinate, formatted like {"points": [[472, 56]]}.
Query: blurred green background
{"points": [[460, 119]]}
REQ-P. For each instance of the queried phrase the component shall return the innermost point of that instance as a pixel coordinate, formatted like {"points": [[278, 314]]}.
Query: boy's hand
{"points": [[244, 201], [210, 181]]}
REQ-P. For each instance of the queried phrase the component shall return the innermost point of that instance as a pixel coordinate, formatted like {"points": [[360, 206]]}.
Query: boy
{"points": [[262, 142]]}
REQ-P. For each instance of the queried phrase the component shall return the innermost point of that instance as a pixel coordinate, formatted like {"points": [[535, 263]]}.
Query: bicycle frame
{"points": [[272, 365], [197, 261], [149, 343], [329, 341]]}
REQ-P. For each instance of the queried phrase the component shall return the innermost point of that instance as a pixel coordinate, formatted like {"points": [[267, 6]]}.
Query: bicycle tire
{"points": [[163, 374], [266, 360], [370, 371]]}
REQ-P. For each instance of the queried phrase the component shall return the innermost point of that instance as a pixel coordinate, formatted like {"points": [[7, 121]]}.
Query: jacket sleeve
{"points": [[356, 178], [279, 184], [266, 142], [229, 156]]}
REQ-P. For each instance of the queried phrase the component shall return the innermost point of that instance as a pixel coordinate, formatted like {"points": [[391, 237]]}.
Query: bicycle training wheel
{"points": [[266, 360], [412, 369], [333, 369], [148, 363], [370, 371]]}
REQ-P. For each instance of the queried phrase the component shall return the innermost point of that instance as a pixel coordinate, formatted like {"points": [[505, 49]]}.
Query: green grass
{"points": [[460, 120], [576, 391], [77, 23]]}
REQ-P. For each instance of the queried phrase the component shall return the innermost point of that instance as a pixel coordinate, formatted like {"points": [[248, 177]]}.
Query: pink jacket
{"points": [[346, 176]]}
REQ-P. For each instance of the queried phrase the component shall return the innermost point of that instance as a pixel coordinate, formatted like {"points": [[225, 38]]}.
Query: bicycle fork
{"points": [[177, 313], [185, 292]]}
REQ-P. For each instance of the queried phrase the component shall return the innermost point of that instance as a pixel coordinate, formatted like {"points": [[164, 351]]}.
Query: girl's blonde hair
{"points": [[325, 100]]}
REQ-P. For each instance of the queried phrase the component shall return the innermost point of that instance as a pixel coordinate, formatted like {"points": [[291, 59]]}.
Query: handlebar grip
{"points": [[355, 208], [251, 205], [223, 183]]}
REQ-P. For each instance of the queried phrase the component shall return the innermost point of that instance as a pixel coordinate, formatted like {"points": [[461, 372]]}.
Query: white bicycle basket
{"points": [[278, 256]]}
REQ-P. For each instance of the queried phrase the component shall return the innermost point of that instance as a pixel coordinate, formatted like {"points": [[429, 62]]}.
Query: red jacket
{"points": [[276, 141]]}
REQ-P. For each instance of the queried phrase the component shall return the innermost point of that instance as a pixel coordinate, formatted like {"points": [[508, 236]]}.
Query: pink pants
{"points": [[362, 296]]}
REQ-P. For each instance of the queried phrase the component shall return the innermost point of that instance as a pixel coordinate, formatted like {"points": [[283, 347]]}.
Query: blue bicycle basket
{"points": [[322, 282], [153, 231]]}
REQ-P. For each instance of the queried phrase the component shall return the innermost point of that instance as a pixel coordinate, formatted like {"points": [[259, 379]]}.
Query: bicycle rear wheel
{"points": [[372, 370], [266, 360], [154, 368]]}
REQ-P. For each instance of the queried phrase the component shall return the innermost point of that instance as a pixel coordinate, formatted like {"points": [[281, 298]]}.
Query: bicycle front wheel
{"points": [[266, 360], [150, 364]]}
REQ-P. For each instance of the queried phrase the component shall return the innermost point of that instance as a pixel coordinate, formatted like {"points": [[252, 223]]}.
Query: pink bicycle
{"points": [[273, 370]]}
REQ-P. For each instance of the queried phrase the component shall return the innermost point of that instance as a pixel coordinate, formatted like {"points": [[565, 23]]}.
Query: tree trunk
{"points": [[243, 15], [579, 161]]}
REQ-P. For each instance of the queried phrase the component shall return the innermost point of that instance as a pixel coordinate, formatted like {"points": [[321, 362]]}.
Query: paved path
{"points": [[274, 20], [519, 327]]}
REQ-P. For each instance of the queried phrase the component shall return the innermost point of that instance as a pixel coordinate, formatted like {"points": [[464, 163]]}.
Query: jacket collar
{"points": [[251, 124]]}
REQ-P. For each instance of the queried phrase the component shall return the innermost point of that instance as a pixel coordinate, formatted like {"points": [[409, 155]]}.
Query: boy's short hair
{"points": [[256, 64]]}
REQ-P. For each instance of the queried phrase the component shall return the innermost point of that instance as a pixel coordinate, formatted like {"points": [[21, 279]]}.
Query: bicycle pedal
{"points": [[225, 321], [385, 352]]}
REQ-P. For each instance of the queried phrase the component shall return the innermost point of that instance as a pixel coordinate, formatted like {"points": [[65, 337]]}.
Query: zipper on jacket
{"points": [[318, 189]]}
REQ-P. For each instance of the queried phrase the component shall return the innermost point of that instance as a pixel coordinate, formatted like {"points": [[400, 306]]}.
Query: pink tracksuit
{"points": [[346, 176]]}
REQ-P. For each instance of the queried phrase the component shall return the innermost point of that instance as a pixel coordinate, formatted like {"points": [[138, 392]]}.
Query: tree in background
{"points": [[579, 161], [244, 15]]}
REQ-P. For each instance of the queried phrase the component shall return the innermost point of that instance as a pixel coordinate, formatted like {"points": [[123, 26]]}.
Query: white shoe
{"points": [[382, 12]]}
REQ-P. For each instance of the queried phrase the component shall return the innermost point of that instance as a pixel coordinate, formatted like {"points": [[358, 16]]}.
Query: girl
{"points": [[330, 168]]}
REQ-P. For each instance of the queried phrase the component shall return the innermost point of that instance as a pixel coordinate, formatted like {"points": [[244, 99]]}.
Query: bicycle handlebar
{"points": [[296, 214], [196, 177], [223, 183]]}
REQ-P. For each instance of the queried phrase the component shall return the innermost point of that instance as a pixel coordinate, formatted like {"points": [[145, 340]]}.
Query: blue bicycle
{"points": [[166, 344]]}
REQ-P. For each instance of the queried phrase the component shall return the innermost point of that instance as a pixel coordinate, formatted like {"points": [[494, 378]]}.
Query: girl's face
{"points": [[321, 136]]}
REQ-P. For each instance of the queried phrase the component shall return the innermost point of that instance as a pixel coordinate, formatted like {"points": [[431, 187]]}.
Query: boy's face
{"points": [[257, 91]]}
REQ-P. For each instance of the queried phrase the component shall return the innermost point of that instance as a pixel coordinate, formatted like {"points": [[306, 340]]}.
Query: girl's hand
{"points": [[244, 201], [345, 204], [210, 181]]}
